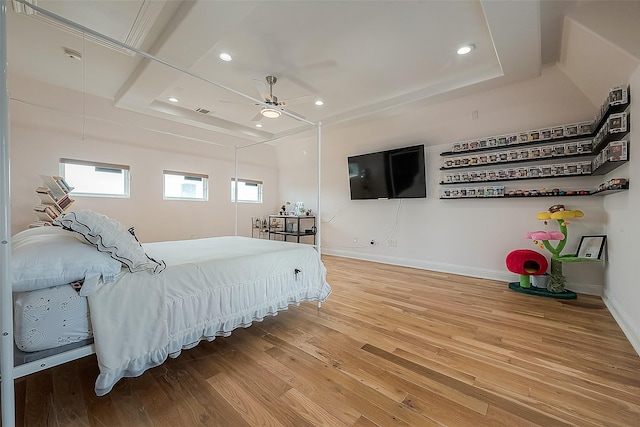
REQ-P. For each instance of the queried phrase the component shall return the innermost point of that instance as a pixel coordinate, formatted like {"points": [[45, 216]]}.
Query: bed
{"points": [[93, 279], [144, 303]]}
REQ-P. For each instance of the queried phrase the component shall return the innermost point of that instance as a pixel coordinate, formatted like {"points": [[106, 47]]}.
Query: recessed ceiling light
{"points": [[319, 102], [225, 57], [173, 99], [466, 49], [258, 125]]}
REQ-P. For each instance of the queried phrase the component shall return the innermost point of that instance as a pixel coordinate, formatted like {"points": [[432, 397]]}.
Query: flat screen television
{"points": [[390, 174]]}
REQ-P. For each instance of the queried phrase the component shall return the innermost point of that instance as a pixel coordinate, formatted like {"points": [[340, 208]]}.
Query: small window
{"points": [[185, 186], [248, 191], [95, 179]]}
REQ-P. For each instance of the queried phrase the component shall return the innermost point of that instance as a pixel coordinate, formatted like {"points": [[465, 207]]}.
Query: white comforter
{"points": [[209, 288]]}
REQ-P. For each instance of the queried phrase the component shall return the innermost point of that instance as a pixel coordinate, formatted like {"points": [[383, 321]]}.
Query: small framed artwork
{"points": [[591, 247]]}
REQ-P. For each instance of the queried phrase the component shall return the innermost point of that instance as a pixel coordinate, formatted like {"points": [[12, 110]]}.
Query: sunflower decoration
{"points": [[543, 239], [561, 215]]}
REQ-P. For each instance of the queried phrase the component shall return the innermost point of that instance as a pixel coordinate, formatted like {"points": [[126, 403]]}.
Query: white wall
{"points": [[458, 236], [622, 291], [40, 136]]}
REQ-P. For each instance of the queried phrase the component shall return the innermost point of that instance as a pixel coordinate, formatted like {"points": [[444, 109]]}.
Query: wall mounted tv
{"points": [[391, 174]]}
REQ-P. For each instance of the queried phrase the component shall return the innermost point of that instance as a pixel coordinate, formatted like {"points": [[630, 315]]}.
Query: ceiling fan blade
{"points": [[294, 112], [306, 86], [295, 99], [262, 89], [257, 117], [226, 101], [328, 63]]}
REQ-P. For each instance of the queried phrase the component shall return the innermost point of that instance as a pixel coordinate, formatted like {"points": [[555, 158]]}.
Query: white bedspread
{"points": [[209, 288]]}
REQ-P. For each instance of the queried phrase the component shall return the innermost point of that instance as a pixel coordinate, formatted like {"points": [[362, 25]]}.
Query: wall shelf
{"points": [[525, 156], [537, 142], [608, 191], [512, 162], [512, 179], [55, 200], [571, 193], [607, 167]]}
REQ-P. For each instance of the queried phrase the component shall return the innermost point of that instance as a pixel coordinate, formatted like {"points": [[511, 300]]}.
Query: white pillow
{"points": [[110, 236], [44, 257]]}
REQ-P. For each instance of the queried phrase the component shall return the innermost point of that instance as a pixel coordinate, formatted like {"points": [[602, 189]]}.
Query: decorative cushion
{"points": [[110, 236], [50, 256]]}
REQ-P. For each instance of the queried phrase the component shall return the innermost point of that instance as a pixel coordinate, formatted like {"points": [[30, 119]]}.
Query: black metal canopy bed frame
{"points": [[160, 274]]}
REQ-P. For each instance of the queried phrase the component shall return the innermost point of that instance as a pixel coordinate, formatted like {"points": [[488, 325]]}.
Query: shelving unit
{"points": [[259, 228], [569, 151], [292, 226], [55, 200]]}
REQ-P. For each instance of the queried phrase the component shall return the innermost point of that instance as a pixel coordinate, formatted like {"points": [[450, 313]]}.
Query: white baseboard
{"points": [[482, 273], [585, 288], [621, 319]]}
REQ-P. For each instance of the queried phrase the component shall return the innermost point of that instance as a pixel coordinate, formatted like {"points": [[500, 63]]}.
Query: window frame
{"points": [[187, 176], [259, 183], [125, 169]]}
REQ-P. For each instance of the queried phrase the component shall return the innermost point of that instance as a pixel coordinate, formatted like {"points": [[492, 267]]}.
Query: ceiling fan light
{"points": [[270, 113]]}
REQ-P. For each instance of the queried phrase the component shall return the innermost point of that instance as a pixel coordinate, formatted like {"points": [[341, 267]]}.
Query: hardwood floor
{"points": [[392, 346]]}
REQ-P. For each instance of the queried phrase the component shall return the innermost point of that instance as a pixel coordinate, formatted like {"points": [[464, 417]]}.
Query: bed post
{"points": [[319, 187], [6, 303], [235, 188]]}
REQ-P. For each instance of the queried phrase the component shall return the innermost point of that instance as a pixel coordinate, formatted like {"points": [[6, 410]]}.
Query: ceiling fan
{"points": [[274, 108], [272, 111]]}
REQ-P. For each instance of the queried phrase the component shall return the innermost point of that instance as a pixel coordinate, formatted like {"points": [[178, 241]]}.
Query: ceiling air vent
{"points": [[202, 110]]}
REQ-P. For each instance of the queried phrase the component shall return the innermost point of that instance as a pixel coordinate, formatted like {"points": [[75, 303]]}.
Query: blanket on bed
{"points": [[209, 288]]}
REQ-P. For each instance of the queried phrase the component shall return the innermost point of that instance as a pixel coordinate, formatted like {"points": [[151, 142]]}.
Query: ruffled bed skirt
{"points": [[209, 330]]}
